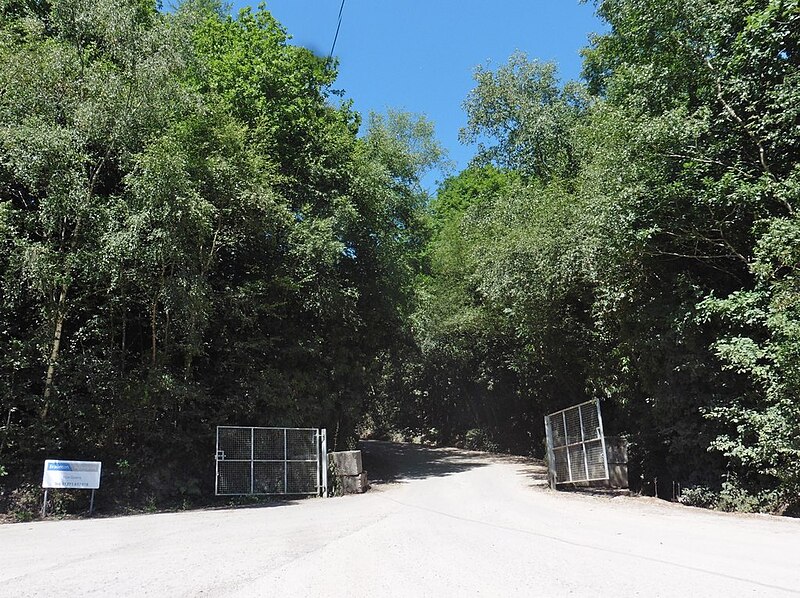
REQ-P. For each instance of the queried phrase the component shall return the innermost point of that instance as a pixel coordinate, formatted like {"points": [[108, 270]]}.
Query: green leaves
{"points": [[522, 108], [634, 240], [190, 234], [707, 179]]}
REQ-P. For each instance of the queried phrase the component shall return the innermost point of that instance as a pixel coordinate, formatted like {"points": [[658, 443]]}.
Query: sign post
{"points": [[80, 475]]}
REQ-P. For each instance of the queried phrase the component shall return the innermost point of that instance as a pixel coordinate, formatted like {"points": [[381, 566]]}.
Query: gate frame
{"points": [[552, 476], [320, 443]]}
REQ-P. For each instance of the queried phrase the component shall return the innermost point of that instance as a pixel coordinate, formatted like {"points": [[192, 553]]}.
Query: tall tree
{"points": [[191, 234], [704, 169], [527, 116]]}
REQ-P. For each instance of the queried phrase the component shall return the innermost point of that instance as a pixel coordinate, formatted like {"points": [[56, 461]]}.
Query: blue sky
{"points": [[420, 55]]}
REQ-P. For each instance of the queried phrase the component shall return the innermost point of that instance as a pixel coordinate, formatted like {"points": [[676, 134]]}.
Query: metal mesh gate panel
{"points": [[270, 460], [576, 449]]}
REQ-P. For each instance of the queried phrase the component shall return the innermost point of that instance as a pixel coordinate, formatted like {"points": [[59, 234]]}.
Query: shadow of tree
{"points": [[535, 475], [388, 462]]}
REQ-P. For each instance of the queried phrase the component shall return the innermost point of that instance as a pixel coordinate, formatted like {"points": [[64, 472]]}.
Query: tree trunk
{"points": [[55, 348], [124, 339], [154, 316], [153, 330]]}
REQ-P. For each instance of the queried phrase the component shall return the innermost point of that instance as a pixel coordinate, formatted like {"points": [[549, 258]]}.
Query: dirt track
{"points": [[440, 522]]}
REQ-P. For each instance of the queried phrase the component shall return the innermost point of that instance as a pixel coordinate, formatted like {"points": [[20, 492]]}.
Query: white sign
{"points": [[71, 474]]}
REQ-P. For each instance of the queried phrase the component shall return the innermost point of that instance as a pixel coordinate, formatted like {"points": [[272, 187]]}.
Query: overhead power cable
{"points": [[338, 26]]}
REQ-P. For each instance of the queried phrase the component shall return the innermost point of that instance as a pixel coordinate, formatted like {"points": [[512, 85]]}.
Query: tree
{"points": [[700, 91], [526, 113], [644, 252], [191, 234]]}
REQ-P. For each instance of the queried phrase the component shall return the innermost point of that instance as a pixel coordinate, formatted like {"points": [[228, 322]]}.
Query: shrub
{"points": [[733, 497], [699, 496], [479, 440]]}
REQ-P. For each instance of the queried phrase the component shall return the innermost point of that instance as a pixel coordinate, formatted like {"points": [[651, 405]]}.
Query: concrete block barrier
{"points": [[354, 484], [349, 471], [347, 462]]}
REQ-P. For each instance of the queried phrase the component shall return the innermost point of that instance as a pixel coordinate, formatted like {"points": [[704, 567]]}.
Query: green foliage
{"points": [[522, 108], [26, 501], [699, 496], [733, 497], [638, 243], [478, 440], [500, 283], [457, 194], [700, 185], [191, 234]]}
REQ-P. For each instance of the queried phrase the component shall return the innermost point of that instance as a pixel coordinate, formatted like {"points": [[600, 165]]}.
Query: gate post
{"points": [[216, 466], [252, 460], [323, 468], [551, 457], [601, 433]]}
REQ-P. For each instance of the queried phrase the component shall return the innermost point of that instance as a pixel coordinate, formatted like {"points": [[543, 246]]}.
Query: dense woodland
{"points": [[197, 229]]}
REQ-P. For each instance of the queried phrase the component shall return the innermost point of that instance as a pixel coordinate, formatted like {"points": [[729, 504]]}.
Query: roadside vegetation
{"points": [[196, 229]]}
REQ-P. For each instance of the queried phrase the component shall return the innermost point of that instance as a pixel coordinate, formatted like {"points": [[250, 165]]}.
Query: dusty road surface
{"points": [[441, 523]]}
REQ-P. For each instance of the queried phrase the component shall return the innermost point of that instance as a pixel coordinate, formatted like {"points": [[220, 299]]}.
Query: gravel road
{"points": [[438, 522]]}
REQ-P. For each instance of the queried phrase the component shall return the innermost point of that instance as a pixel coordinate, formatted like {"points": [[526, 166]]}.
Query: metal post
{"points": [[317, 445], [285, 464], [216, 467], [324, 455], [551, 456], [44, 504], [567, 443], [91, 503], [602, 437], [252, 464]]}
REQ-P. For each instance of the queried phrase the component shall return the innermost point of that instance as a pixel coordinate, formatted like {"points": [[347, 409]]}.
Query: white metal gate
{"points": [[576, 447], [252, 460]]}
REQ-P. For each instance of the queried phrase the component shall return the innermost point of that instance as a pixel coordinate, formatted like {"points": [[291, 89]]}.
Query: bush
{"points": [[699, 496], [25, 502], [734, 498], [479, 440]]}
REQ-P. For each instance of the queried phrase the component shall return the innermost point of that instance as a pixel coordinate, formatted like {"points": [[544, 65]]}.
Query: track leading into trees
{"points": [[438, 522]]}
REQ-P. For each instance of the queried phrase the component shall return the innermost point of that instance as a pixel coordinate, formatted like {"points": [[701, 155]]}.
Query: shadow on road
{"points": [[534, 473], [388, 462]]}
